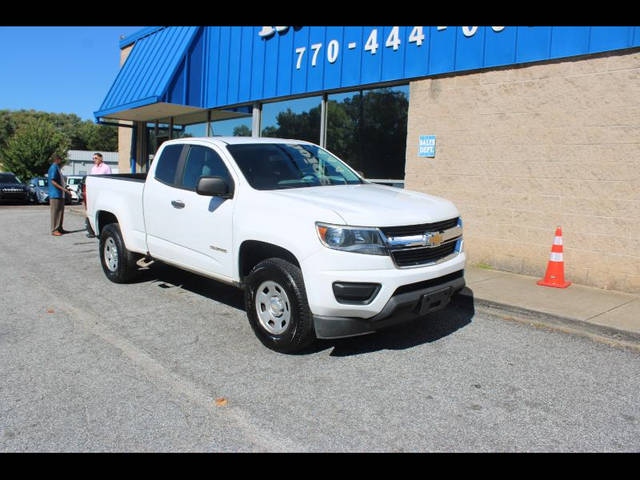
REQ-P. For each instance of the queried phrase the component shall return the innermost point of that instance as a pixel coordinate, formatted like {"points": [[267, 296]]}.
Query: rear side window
{"points": [[168, 164], [202, 161]]}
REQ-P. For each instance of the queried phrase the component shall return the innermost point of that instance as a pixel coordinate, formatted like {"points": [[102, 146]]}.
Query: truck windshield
{"points": [[273, 166]]}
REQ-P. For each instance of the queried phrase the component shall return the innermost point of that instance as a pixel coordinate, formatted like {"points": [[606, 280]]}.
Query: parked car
{"points": [[319, 251], [12, 189], [74, 183], [81, 189], [39, 191]]}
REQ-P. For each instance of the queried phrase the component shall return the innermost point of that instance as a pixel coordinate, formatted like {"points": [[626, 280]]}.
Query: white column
{"points": [[323, 121], [256, 121]]}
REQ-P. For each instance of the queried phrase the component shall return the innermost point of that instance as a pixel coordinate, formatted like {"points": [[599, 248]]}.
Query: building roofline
{"points": [[134, 37]]}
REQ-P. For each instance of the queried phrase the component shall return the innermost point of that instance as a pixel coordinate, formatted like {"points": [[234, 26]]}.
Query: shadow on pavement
{"points": [[166, 276], [427, 329]]}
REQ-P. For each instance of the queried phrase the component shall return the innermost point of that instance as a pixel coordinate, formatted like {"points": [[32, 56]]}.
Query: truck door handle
{"points": [[177, 204]]}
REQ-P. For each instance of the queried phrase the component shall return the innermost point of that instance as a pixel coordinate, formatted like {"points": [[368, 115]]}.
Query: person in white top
{"points": [[99, 167]]}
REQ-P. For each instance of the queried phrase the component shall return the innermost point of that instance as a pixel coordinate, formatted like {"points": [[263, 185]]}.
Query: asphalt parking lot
{"points": [[170, 363]]}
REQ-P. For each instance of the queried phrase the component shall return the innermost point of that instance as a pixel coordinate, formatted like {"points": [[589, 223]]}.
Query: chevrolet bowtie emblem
{"points": [[432, 239]]}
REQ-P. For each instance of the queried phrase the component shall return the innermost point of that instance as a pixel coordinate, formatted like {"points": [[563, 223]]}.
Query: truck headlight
{"points": [[352, 239]]}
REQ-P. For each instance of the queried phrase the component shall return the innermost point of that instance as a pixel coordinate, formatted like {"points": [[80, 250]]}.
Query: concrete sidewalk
{"points": [[609, 315]]}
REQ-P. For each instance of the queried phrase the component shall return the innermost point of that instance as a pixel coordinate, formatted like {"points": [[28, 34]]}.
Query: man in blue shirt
{"points": [[57, 192]]}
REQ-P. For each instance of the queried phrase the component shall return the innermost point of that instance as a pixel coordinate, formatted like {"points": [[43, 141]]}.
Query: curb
{"points": [[557, 322]]}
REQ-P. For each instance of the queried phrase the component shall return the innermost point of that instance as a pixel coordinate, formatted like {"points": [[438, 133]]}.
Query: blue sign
{"points": [[226, 66], [303, 60], [427, 146]]}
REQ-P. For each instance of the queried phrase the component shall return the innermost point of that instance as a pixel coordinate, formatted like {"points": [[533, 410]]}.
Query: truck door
{"points": [[188, 229]]}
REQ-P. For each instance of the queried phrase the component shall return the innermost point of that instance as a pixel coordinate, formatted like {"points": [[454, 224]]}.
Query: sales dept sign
{"points": [[427, 146]]}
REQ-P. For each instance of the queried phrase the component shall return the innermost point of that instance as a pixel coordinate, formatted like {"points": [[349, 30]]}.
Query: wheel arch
{"points": [[104, 218], [252, 252]]}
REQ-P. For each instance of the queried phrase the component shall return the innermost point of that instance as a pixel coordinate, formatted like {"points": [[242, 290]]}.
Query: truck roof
{"points": [[240, 140]]}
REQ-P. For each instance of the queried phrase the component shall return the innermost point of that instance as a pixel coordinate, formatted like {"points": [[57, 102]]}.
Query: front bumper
{"points": [[407, 303], [14, 196], [326, 267]]}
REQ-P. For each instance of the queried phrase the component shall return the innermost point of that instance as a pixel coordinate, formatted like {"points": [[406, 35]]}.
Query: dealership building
{"points": [[523, 128]]}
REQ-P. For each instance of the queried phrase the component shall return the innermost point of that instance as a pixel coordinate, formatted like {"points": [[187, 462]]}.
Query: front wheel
{"points": [[276, 304], [118, 263]]}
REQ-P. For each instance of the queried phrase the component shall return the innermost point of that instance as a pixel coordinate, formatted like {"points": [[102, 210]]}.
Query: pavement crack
{"points": [[611, 309]]}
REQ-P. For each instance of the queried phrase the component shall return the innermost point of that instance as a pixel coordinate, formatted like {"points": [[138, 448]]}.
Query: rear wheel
{"points": [[118, 263], [277, 308]]}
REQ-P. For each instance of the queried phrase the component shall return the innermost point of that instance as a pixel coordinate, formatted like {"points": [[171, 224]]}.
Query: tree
{"points": [[82, 135], [28, 152], [301, 126], [96, 137], [241, 131]]}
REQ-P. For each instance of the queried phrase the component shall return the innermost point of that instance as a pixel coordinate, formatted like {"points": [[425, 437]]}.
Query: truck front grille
{"points": [[429, 243], [419, 229], [420, 256]]}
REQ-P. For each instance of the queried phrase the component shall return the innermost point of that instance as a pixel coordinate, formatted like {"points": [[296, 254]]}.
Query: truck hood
{"points": [[374, 205]]}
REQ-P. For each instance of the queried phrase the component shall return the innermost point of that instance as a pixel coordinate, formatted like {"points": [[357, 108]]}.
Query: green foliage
{"points": [[26, 135], [98, 137], [242, 131], [28, 152], [300, 126]]}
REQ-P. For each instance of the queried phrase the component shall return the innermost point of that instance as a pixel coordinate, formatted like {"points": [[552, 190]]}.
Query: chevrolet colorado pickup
{"points": [[319, 251]]}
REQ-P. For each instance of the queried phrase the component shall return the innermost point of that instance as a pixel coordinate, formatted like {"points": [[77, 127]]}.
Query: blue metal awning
{"points": [[145, 78], [193, 74]]}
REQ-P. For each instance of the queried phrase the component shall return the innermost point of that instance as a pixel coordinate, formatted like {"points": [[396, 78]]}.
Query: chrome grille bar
{"points": [[430, 247]]}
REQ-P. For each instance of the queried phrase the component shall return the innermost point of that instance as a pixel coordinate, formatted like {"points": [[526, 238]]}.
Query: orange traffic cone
{"points": [[555, 268]]}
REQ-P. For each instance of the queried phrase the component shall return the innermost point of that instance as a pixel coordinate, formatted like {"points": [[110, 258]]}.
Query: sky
{"points": [[59, 69], [70, 70]]}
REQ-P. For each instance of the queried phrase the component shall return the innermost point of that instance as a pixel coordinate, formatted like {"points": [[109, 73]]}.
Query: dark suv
{"points": [[12, 189]]}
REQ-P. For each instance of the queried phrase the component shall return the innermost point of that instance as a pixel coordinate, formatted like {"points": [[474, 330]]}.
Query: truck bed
{"points": [[134, 177], [120, 195]]}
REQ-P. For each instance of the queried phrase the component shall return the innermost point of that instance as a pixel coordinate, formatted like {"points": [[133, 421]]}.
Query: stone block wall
{"points": [[523, 149]]}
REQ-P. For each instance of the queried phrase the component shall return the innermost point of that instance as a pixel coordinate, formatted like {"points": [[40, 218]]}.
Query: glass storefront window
{"points": [[230, 127], [368, 130], [298, 119], [155, 137], [195, 130], [234, 127]]}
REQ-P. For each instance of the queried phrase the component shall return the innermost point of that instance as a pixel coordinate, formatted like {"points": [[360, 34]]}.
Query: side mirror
{"points": [[214, 187]]}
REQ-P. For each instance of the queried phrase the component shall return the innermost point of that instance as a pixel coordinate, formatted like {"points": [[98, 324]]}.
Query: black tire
{"points": [[290, 335], [118, 263]]}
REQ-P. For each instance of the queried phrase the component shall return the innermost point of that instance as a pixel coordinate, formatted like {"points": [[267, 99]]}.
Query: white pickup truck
{"points": [[320, 252]]}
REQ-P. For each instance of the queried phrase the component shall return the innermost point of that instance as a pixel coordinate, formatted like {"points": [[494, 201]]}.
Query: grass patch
{"points": [[483, 266]]}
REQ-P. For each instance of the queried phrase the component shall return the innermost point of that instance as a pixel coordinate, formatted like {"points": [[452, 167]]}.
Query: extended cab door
{"points": [[184, 228]]}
